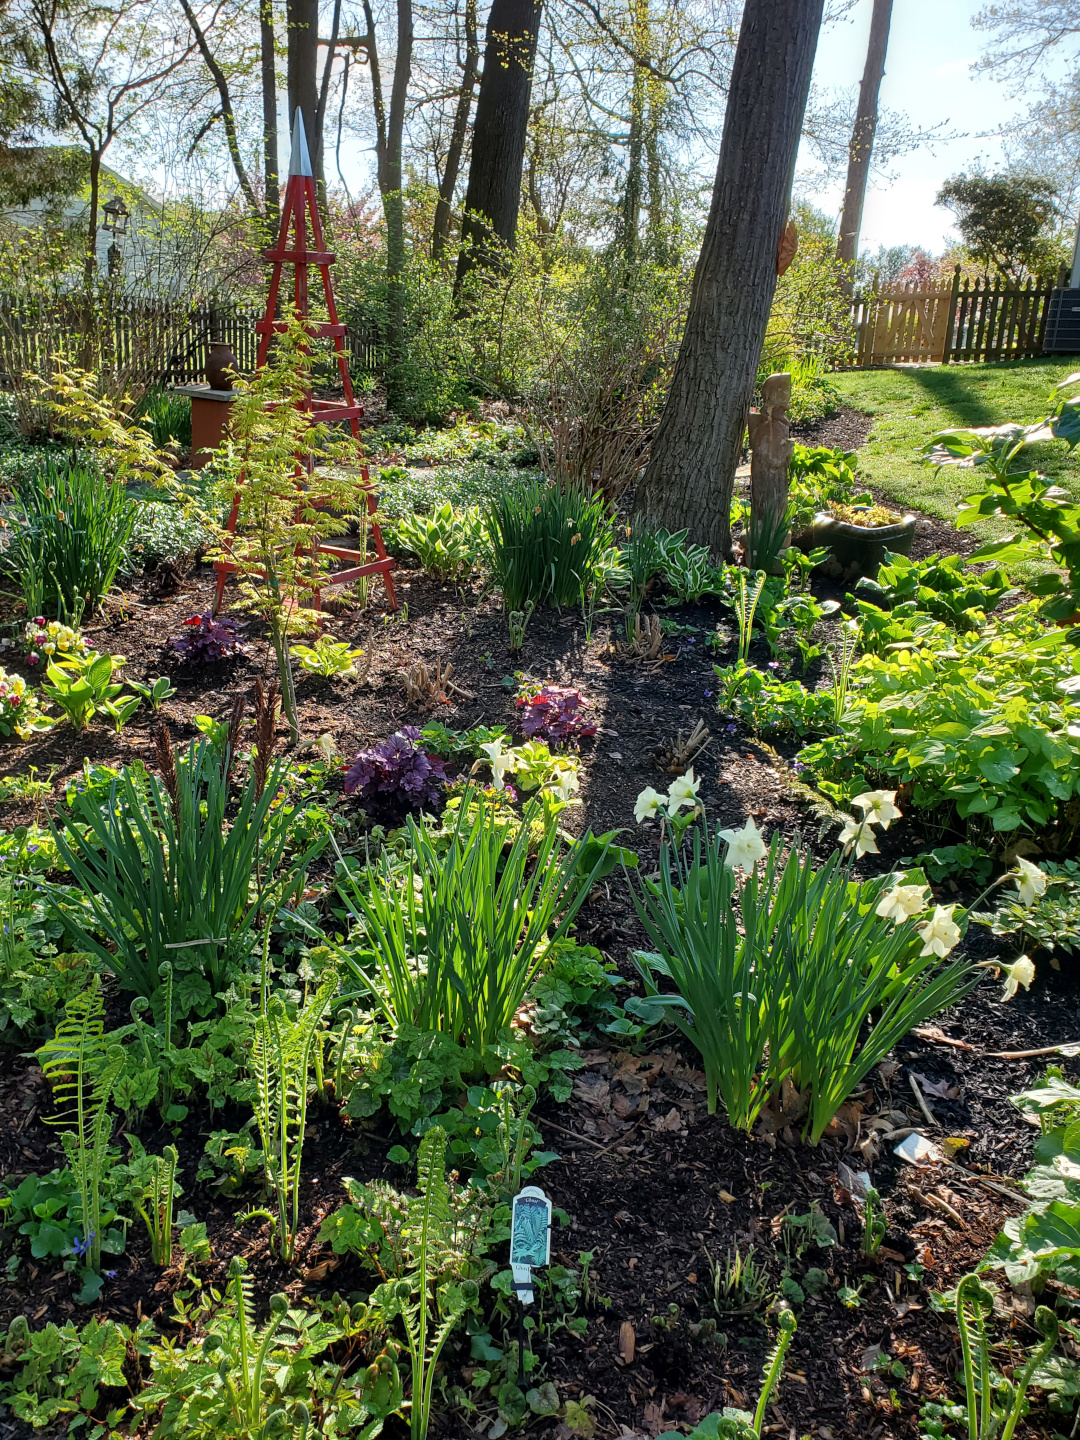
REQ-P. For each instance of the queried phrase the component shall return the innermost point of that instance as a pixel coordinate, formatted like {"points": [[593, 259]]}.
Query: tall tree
{"points": [[493, 195], [862, 135], [268, 73], [101, 66], [458, 134], [691, 473], [302, 53]]}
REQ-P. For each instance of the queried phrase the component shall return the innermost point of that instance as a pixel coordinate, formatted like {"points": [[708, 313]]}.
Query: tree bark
{"points": [[302, 19], [268, 66], [228, 115], [862, 135], [91, 265], [691, 472], [441, 228], [493, 196]]}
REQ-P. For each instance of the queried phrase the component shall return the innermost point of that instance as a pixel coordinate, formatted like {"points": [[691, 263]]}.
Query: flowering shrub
{"points": [[398, 769], [207, 639], [20, 710], [51, 640], [555, 713]]}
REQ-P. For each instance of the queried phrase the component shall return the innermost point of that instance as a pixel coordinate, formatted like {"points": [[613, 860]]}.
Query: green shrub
{"points": [[70, 528], [944, 586], [818, 474], [546, 545], [166, 418], [447, 543], [985, 726]]}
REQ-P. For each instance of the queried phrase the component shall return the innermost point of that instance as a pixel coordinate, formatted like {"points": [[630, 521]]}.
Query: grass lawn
{"points": [[908, 406]]}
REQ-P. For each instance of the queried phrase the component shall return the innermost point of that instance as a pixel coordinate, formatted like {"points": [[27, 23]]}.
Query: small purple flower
{"points": [[731, 729], [80, 1246], [708, 694], [774, 664], [110, 1274], [30, 849]]}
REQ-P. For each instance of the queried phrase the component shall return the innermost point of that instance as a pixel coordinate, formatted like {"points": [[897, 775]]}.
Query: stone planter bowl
{"points": [[860, 546]]}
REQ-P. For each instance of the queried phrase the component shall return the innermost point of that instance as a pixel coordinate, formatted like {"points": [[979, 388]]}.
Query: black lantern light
{"points": [[116, 216]]}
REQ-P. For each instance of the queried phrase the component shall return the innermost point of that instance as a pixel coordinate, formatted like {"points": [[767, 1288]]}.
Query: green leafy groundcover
{"points": [[987, 723]]}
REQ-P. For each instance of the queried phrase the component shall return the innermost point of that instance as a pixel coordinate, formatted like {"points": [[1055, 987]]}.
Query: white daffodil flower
{"points": [[683, 792], [326, 746], [1020, 972], [859, 833], [1030, 881], [648, 803], [878, 807], [902, 902], [745, 846], [564, 783], [501, 760], [941, 933]]}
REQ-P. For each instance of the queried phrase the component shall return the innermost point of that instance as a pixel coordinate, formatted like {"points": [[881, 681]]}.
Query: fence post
{"points": [[951, 325]]}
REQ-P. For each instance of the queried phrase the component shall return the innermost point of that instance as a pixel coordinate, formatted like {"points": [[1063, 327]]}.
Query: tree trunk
{"points": [[691, 473], [441, 227], [268, 63], [302, 20], [862, 135], [493, 196], [228, 115], [91, 265], [320, 110]]}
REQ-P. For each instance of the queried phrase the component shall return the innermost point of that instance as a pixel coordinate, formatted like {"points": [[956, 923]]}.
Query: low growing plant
{"points": [[398, 771], [448, 543], [20, 709], [554, 712], [57, 1374], [52, 640], [80, 686], [332, 659], [207, 640]]}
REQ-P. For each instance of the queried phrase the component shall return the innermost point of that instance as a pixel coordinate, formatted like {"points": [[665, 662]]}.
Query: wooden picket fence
{"points": [[168, 343], [964, 321]]}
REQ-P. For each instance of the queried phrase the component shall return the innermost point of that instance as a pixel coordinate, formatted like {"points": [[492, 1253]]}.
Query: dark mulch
{"points": [[656, 1190], [847, 429]]}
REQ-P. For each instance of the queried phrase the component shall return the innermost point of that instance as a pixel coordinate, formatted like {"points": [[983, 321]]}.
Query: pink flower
{"points": [[39, 619], [32, 658], [14, 701]]}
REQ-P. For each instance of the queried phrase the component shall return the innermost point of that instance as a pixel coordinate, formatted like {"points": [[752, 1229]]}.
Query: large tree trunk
{"points": [[458, 133], [862, 135], [90, 266], [268, 66], [302, 20], [691, 474], [493, 196]]}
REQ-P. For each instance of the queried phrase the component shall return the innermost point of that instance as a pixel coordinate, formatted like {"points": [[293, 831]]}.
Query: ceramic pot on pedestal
{"points": [[220, 361]]}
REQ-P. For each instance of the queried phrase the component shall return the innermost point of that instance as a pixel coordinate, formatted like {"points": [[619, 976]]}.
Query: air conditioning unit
{"points": [[1062, 335]]}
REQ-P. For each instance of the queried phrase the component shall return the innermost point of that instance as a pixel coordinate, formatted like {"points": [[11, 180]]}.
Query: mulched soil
{"points": [[658, 1192]]}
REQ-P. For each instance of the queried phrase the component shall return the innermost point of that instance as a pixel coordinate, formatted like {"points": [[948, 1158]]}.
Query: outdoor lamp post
{"points": [[115, 217]]}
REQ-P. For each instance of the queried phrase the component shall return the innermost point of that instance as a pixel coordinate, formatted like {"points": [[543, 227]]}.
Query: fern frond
{"points": [[75, 1058]]}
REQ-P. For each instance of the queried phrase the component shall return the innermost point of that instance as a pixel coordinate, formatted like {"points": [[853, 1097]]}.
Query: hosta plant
{"points": [[81, 685], [332, 659], [447, 543]]}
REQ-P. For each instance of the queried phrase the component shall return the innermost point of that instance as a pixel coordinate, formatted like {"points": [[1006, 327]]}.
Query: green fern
{"points": [[281, 1059], [82, 1068], [430, 1242]]}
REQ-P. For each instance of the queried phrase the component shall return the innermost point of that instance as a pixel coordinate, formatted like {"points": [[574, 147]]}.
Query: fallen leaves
{"points": [[627, 1342]]}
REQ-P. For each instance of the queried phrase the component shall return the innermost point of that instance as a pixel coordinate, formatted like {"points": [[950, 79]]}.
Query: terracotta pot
{"points": [[219, 361], [861, 545]]}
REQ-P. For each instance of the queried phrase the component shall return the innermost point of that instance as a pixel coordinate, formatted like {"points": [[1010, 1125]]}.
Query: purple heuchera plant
{"points": [[207, 639], [398, 769], [555, 713]]}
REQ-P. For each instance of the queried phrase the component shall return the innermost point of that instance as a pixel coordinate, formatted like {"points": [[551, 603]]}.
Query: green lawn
{"points": [[908, 406]]}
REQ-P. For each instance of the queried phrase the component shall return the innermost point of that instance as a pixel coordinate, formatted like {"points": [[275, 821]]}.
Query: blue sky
{"points": [[928, 74]]}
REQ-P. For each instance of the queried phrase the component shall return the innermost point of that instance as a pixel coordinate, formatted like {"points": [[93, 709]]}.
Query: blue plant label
{"points": [[530, 1238]]}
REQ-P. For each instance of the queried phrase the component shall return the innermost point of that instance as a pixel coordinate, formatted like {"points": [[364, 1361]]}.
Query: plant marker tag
{"points": [[530, 1239]]}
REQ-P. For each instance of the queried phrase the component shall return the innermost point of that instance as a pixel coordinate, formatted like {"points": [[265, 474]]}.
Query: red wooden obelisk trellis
{"points": [[299, 204]]}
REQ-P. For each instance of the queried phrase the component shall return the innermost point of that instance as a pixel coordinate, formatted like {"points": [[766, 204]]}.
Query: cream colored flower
{"points": [[941, 933], [683, 792], [1030, 881], [648, 803], [859, 833], [745, 846], [564, 783], [1020, 972], [902, 902], [878, 807], [326, 746], [502, 761]]}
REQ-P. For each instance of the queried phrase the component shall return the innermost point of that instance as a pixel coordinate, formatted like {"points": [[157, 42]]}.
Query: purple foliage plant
{"points": [[555, 713], [207, 639], [398, 769]]}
